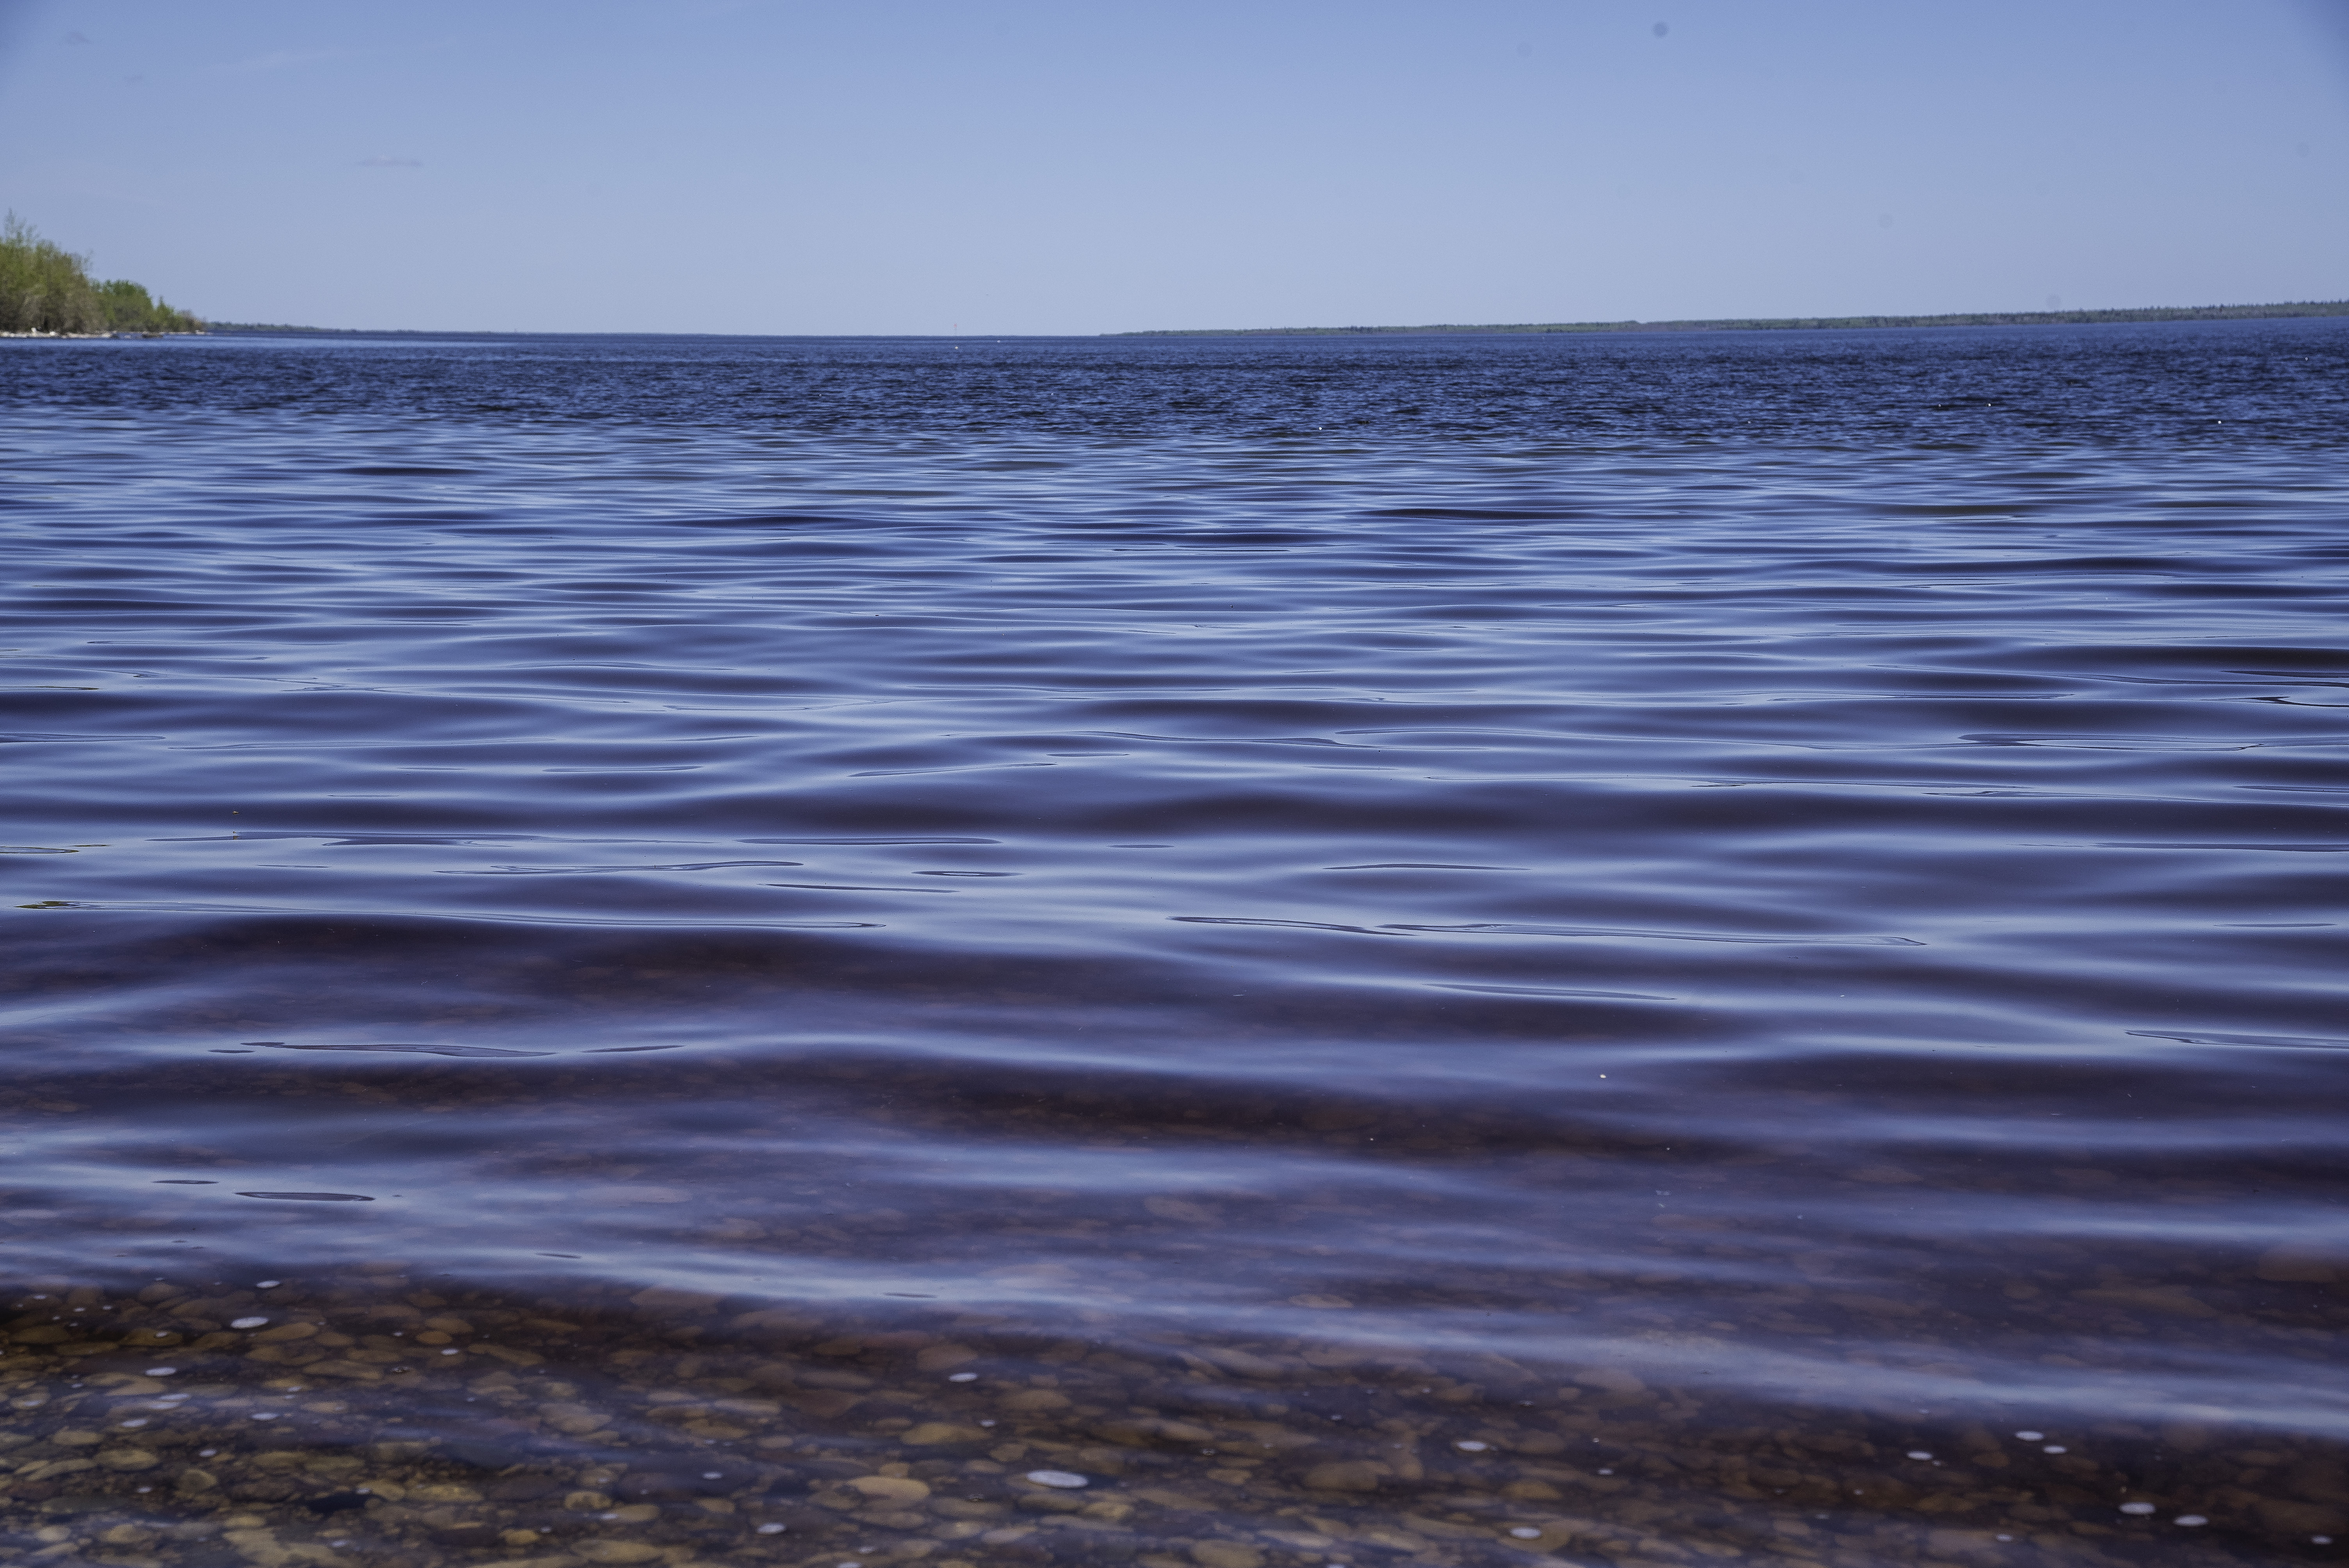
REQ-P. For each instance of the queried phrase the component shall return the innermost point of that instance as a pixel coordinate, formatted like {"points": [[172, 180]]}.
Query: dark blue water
{"points": [[1684, 876]]}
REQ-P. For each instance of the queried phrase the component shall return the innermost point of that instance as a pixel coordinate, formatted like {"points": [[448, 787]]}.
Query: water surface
{"points": [[1580, 897]]}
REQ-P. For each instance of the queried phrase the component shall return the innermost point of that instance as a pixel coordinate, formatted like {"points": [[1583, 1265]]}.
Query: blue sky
{"points": [[1034, 166]]}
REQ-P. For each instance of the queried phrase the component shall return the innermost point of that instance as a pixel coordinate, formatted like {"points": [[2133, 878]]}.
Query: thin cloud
{"points": [[391, 163]]}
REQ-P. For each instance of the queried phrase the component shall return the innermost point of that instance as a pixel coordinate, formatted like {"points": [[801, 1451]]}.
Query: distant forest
{"points": [[46, 288], [1805, 323]]}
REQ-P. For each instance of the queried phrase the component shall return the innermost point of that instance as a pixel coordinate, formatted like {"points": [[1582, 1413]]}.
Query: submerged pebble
{"points": [[607, 1433]]}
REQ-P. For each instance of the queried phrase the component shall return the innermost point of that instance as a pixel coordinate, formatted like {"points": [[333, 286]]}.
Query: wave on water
{"points": [[1183, 952]]}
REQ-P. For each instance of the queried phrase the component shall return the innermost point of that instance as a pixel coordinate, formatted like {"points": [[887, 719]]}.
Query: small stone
{"points": [[1612, 1380], [619, 1552], [128, 1458], [933, 1432], [1472, 1446], [825, 1404], [891, 1488], [2136, 1508], [1032, 1399], [1346, 1475], [1065, 1479], [2191, 1520], [1225, 1554]]}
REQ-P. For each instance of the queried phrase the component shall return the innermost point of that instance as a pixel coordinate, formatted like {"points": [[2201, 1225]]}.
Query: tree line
{"points": [[44, 287]]}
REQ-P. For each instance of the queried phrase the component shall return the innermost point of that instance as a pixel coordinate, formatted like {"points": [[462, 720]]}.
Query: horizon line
{"points": [[2086, 316], [2083, 317]]}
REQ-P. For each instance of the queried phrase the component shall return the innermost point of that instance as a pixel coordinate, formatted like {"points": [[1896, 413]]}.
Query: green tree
{"points": [[128, 308], [45, 287]]}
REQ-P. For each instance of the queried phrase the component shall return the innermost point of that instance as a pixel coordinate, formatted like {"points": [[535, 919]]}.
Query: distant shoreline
{"points": [[2289, 311], [83, 336], [268, 329], [1792, 324]]}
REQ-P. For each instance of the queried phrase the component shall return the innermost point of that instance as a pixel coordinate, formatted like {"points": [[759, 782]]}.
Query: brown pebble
{"points": [[891, 1488], [1346, 1475], [1225, 1554]]}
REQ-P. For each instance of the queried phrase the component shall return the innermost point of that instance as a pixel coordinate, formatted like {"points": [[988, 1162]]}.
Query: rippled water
{"points": [[1668, 883]]}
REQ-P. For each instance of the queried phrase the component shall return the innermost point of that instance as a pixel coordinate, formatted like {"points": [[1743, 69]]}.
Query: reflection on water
{"points": [[1574, 964]]}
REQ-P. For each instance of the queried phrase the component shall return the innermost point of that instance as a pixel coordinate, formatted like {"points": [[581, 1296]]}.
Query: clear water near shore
{"points": [[1702, 913]]}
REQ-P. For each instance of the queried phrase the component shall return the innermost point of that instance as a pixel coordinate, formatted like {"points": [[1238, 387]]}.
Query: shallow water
{"points": [[1746, 903]]}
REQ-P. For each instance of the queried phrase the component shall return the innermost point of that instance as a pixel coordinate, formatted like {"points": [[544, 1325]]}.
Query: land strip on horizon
{"points": [[1724, 324], [1792, 323]]}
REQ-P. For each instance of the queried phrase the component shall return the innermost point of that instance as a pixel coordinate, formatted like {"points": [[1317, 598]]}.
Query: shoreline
{"points": [[597, 1424], [2283, 312], [84, 336], [2289, 311]]}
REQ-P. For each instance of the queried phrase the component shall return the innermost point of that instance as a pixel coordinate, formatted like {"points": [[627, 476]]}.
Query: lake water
{"points": [[1598, 950]]}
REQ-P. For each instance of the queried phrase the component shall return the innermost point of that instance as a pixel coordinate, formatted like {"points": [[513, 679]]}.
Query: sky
{"points": [[1050, 167]]}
